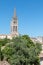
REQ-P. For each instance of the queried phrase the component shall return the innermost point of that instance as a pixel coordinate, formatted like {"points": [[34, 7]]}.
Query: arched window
{"points": [[14, 28]]}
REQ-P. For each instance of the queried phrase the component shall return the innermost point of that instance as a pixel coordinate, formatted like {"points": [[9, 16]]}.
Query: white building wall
{"points": [[2, 36]]}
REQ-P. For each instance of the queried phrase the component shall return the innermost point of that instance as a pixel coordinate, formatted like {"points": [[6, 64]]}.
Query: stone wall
{"points": [[4, 63]]}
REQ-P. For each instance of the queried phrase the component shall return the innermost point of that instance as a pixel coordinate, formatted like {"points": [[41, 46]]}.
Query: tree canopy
{"points": [[22, 51]]}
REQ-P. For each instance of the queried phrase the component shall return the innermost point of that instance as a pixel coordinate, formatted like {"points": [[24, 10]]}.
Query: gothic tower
{"points": [[14, 24]]}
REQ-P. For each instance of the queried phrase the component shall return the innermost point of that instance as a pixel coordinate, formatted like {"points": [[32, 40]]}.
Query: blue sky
{"points": [[30, 16]]}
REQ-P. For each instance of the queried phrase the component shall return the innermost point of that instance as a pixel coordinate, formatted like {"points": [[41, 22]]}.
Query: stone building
{"points": [[13, 26]]}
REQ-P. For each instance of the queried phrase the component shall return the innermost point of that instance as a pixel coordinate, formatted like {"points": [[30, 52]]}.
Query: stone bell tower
{"points": [[14, 24]]}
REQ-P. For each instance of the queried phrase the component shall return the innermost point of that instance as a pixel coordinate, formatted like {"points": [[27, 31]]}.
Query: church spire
{"points": [[14, 24], [15, 13]]}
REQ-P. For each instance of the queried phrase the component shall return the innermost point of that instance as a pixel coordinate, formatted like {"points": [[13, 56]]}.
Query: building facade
{"points": [[13, 26]]}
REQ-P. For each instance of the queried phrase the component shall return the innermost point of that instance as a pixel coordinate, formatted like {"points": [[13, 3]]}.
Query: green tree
{"points": [[22, 51], [1, 55], [4, 41]]}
